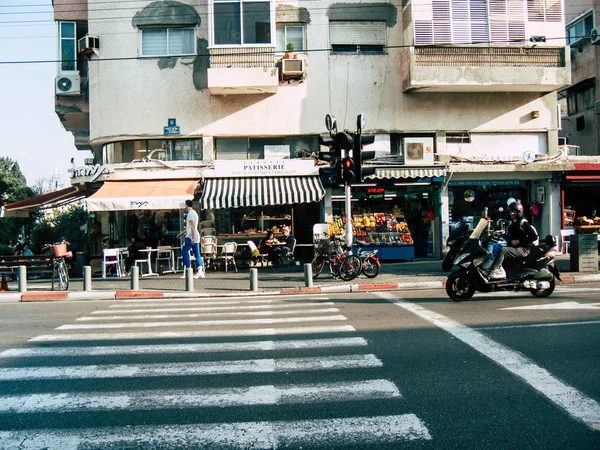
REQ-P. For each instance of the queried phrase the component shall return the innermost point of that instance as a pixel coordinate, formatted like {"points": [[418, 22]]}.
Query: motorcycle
{"points": [[536, 273], [455, 241]]}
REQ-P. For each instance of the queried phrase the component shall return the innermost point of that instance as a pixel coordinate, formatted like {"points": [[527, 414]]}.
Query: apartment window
{"points": [[581, 100], [168, 42], [68, 46], [164, 150], [357, 37], [580, 29], [240, 22], [290, 34]]}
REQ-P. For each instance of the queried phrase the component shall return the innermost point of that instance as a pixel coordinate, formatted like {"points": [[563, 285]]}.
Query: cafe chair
{"points": [[208, 232], [208, 251], [228, 255], [179, 263], [565, 240], [140, 262], [110, 257], [164, 253]]}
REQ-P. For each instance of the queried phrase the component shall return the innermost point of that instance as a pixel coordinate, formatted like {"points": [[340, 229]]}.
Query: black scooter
{"points": [[455, 242], [535, 274]]}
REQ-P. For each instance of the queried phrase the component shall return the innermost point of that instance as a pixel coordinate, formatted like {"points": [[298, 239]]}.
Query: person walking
{"points": [[192, 240]]}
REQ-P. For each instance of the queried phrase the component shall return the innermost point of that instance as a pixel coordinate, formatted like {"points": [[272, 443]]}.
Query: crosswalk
{"points": [[228, 373]]}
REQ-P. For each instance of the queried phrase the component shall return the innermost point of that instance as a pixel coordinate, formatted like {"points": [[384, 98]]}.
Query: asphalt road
{"points": [[366, 371]]}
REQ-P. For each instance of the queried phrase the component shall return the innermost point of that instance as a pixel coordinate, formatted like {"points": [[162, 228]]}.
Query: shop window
{"points": [[266, 148], [253, 222]]}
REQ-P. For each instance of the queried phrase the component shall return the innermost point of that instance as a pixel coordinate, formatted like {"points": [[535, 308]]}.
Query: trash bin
{"points": [[81, 259]]}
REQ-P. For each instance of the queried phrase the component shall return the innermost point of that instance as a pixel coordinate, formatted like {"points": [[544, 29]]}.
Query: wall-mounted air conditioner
{"points": [[595, 36], [292, 67], [68, 84], [88, 44], [418, 151]]}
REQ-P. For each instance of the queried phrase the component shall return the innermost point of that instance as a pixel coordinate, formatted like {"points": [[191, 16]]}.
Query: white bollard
{"points": [[22, 279], [189, 279], [308, 279], [254, 280], [135, 278], [87, 278]]}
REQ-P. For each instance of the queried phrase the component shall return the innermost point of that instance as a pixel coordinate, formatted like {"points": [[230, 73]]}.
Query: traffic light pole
{"points": [[348, 228]]}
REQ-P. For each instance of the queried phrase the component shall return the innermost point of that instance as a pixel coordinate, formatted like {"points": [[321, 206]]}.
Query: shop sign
{"points": [[375, 193], [89, 172], [265, 167], [487, 183]]}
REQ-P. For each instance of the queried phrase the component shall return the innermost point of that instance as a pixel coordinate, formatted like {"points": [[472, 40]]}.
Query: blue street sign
{"points": [[171, 128]]}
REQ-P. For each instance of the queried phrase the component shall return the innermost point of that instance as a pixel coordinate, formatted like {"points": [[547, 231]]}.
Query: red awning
{"points": [[53, 199], [583, 177]]}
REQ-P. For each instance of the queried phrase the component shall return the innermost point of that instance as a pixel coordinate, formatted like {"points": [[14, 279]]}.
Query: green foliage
{"points": [[13, 186], [65, 224], [289, 47]]}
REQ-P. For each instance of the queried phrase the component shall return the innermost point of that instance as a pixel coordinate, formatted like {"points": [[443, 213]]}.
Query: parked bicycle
{"points": [[369, 262], [60, 269], [329, 251]]}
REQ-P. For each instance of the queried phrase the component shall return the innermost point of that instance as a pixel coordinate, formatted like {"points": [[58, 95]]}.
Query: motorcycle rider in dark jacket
{"points": [[520, 235]]}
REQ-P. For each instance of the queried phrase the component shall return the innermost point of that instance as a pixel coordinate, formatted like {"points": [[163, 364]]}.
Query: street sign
{"points": [[171, 128], [330, 122]]}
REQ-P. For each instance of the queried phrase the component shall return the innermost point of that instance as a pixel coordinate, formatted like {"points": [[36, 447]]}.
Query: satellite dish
{"points": [[64, 84], [528, 156]]}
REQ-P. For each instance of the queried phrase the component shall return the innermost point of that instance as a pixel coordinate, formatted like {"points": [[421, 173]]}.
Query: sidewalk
{"points": [[420, 274]]}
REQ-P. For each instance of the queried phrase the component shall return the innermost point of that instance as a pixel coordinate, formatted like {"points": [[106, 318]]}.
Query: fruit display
{"points": [[379, 228], [585, 221]]}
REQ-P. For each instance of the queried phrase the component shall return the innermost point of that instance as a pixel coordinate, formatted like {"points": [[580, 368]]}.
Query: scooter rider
{"points": [[520, 235]]}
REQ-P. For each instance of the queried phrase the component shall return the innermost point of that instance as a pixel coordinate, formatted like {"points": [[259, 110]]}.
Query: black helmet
{"points": [[516, 207]]}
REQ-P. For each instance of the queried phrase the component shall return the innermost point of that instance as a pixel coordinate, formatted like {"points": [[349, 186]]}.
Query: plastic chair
{"points": [[110, 257], [565, 240], [208, 251], [208, 232], [164, 253], [228, 254], [143, 261]]}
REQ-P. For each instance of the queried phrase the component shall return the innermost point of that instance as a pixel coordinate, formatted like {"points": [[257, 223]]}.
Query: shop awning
{"points": [[146, 194], [257, 191], [416, 172], [49, 200]]}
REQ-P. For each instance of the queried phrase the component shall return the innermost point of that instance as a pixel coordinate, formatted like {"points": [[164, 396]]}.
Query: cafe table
{"points": [[149, 252]]}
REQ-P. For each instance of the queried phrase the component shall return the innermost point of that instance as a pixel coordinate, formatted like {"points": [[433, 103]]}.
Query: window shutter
{"points": [[154, 42], [357, 33]]}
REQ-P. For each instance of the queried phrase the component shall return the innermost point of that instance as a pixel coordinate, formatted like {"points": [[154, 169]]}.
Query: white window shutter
{"points": [[357, 33]]}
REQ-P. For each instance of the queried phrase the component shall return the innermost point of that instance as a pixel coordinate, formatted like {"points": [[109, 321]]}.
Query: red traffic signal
{"points": [[348, 172]]}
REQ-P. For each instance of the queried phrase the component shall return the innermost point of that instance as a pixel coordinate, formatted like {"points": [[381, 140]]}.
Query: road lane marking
{"points": [[562, 306], [192, 334], [198, 301], [185, 348], [199, 398], [212, 308], [207, 314], [575, 403], [358, 432], [537, 325]]}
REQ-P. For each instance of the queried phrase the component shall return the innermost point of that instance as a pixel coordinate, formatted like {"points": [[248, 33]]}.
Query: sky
{"points": [[30, 131]]}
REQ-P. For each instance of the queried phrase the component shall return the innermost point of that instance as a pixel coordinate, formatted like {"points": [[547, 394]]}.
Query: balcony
{"points": [[74, 114], [485, 69], [242, 71]]}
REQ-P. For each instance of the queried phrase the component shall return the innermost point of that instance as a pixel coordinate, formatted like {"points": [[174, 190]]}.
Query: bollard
{"points": [[308, 279], [189, 279], [87, 278], [254, 280], [22, 279], [135, 278]]}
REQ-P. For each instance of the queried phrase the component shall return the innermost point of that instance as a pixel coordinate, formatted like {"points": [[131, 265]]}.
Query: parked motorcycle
{"points": [[536, 273], [454, 243]]}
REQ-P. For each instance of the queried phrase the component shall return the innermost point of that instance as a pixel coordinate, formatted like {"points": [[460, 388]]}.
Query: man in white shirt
{"points": [[192, 240]]}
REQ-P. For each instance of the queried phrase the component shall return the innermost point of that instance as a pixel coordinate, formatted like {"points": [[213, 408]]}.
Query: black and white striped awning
{"points": [[219, 193]]}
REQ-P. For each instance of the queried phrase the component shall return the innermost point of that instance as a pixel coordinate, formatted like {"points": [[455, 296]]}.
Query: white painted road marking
{"points": [[199, 398], [331, 433], [567, 397], [193, 368], [563, 305], [539, 325], [198, 323], [192, 334], [153, 308], [200, 301], [184, 348]]}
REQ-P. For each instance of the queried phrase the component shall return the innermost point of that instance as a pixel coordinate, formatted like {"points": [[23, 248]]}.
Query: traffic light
{"points": [[360, 156], [348, 170], [330, 174]]}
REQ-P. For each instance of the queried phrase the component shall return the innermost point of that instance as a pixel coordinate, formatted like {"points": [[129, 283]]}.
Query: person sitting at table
{"points": [[288, 244], [267, 245], [133, 251]]}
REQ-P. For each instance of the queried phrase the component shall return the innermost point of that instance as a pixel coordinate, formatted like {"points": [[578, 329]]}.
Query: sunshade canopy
{"points": [[53, 199]]}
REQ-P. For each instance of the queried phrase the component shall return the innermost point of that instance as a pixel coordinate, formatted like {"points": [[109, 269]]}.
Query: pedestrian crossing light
{"points": [[348, 170], [361, 156]]}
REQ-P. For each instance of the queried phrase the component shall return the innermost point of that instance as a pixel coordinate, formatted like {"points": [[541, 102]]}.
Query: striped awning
{"points": [[222, 193], [416, 172]]}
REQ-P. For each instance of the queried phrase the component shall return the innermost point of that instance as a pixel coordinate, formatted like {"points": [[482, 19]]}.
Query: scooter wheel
{"points": [[459, 287], [541, 293]]}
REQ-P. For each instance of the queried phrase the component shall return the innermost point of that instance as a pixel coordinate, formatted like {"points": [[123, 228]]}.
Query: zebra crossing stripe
{"points": [[207, 314], [358, 432], [212, 308], [196, 323], [194, 368], [184, 348], [192, 334], [199, 398], [196, 301]]}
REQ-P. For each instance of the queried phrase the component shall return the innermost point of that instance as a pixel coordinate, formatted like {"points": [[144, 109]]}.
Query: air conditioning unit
{"points": [[292, 67], [418, 151], [595, 36], [88, 44], [68, 84]]}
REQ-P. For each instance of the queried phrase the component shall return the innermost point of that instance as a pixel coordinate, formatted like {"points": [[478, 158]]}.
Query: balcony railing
{"points": [[490, 56], [242, 57]]}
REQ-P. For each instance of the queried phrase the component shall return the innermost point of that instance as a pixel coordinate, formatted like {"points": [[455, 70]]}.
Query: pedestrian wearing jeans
{"points": [[191, 241]]}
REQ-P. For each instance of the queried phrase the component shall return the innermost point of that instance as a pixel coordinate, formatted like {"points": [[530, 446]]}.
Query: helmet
{"points": [[516, 207]]}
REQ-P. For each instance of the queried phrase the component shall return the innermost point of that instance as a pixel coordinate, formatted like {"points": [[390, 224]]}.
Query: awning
{"points": [[257, 191], [49, 200], [147, 194], [416, 172]]}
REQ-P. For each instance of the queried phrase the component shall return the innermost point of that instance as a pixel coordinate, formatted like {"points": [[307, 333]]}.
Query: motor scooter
{"points": [[454, 243], [536, 273]]}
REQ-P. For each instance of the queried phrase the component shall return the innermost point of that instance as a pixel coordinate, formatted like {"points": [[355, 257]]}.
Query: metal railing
{"points": [[490, 56], [242, 57]]}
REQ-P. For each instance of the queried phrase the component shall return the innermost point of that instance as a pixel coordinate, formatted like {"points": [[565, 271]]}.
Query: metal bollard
{"points": [[135, 278], [189, 279], [87, 278], [308, 279], [254, 280], [22, 279]]}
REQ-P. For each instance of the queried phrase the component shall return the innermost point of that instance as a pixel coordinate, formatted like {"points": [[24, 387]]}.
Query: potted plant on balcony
{"points": [[289, 49]]}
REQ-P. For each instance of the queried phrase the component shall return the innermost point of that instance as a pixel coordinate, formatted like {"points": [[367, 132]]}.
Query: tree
{"points": [[13, 188]]}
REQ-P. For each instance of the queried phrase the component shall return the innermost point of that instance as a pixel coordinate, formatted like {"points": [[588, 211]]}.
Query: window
{"points": [[580, 29], [241, 22], [581, 100], [68, 46], [292, 34], [164, 150], [168, 42], [357, 37], [254, 148]]}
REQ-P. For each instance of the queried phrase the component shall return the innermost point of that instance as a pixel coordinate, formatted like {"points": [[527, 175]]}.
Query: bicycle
{"points": [[369, 262], [346, 267], [60, 267]]}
